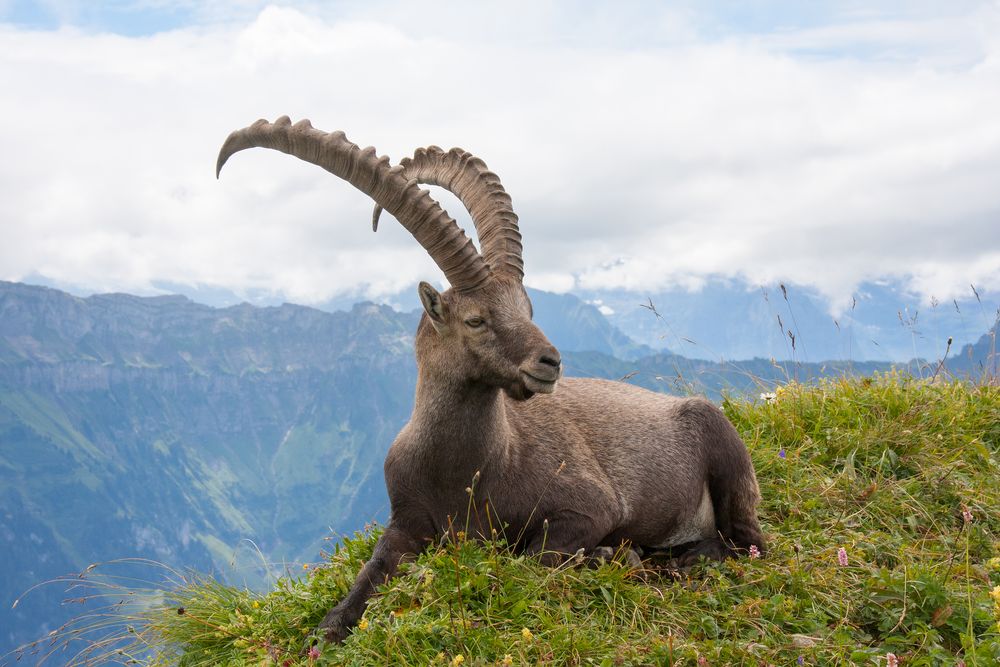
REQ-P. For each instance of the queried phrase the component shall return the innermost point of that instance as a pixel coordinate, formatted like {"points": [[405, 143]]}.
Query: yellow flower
{"points": [[457, 660], [256, 604], [526, 633], [507, 660], [305, 566], [363, 625], [994, 563]]}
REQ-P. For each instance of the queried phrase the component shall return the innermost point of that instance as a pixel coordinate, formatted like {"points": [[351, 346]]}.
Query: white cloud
{"points": [[644, 163]]}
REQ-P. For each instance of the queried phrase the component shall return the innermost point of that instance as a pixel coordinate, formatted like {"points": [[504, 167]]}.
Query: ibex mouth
{"points": [[537, 384]]}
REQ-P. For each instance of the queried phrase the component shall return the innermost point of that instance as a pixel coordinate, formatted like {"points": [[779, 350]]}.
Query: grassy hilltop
{"points": [[881, 499]]}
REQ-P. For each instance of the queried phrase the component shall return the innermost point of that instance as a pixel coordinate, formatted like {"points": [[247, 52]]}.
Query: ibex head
{"points": [[486, 337], [479, 331]]}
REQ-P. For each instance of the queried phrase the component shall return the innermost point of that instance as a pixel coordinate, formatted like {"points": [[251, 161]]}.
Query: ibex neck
{"points": [[463, 426]]}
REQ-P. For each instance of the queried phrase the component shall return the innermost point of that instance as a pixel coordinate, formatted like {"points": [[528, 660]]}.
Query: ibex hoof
{"points": [[602, 554], [606, 554], [333, 630]]}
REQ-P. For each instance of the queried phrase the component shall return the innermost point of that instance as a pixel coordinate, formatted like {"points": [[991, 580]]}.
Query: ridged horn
{"points": [[413, 206], [479, 189]]}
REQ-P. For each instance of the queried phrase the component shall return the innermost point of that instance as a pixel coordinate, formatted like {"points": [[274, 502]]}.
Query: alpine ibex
{"points": [[594, 465]]}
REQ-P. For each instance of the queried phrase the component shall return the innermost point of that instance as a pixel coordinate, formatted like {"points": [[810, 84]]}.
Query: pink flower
{"points": [[842, 559], [891, 660], [754, 551], [313, 652], [966, 514]]}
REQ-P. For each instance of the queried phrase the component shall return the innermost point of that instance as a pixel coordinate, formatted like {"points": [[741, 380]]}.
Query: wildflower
{"points": [[769, 397], [313, 652], [256, 604], [272, 650], [526, 633], [801, 660], [842, 556], [781, 453], [754, 551], [363, 625], [891, 660], [507, 660], [994, 563], [305, 566], [966, 514], [995, 594], [457, 660], [439, 657], [702, 661]]}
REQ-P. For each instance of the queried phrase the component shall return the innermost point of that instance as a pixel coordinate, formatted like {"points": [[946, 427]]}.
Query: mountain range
{"points": [[161, 428], [728, 318]]}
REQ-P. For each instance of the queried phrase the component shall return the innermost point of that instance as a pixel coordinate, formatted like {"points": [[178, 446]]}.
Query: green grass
{"points": [[879, 467]]}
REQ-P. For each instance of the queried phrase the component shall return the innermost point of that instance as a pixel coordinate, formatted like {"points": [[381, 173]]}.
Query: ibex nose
{"points": [[551, 358]]}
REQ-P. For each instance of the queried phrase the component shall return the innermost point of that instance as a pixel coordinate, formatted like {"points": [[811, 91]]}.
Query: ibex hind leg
{"points": [[734, 498], [732, 485]]}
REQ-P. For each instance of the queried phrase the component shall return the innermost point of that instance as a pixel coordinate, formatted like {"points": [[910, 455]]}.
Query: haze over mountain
{"points": [[728, 319]]}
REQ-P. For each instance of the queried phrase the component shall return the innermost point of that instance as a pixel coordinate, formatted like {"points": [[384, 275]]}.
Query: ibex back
{"points": [[596, 464]]}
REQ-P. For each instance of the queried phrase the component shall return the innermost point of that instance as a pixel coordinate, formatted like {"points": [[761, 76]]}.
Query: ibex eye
{"points": [[475, 322]]}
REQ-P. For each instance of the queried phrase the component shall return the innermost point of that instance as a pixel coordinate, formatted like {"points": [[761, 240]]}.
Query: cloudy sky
{"points": [[646, 144]]}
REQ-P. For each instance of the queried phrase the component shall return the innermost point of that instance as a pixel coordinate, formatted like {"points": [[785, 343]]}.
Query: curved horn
{"points": [[479, 189], [413, 206]]}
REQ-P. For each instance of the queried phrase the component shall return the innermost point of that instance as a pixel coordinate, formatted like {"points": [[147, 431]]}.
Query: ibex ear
{"points": [[433, 304]]}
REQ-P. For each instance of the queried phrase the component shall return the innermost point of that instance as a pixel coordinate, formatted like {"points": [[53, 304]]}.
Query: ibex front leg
{"points": [[392, 548]]}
